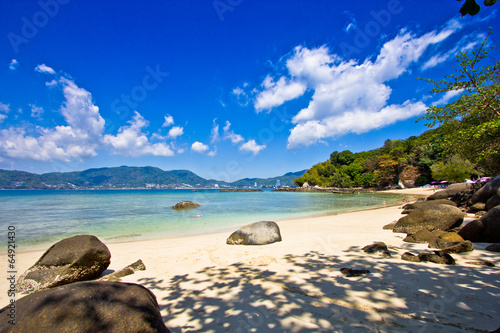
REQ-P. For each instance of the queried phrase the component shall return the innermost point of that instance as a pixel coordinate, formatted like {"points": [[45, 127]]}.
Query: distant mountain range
{"points": [[128, 177]]}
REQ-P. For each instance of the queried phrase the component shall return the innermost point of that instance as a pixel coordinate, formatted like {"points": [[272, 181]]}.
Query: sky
{"points": [[228, 89]]}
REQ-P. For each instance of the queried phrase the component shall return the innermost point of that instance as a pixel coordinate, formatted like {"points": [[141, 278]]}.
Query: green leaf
{"points": [[470, 7], [489, 2]]}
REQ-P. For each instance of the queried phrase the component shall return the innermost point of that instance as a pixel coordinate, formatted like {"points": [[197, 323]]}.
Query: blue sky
{"points": [[227, 89]]}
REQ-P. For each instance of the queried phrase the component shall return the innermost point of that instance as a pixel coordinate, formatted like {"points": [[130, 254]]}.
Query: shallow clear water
{"points": [[44, 217]]}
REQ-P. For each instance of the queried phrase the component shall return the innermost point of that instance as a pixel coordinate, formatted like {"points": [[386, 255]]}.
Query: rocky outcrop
{"points": [[437, 257], [411, 206], [378, 247], [431, 217], [449, 192], [490, 189], [389, 226], [452, 247], [486, 229], [492, 202], [73, 259], [185, 205], [86, 307], [258, 233], [423, 236]]}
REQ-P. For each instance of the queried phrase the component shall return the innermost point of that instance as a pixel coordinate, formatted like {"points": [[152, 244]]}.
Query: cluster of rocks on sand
{"points": [[439, 220]]}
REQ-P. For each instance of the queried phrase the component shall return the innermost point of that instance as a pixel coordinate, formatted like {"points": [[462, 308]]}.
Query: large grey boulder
{"points": [[87, 307], [431, 217], [73, 259], [411, 206], [472, 231], [450, 191], [258, 233], [487, 191]]}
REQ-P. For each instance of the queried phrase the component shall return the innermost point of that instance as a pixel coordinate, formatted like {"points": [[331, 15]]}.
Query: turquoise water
{"points": [[44, 217]]}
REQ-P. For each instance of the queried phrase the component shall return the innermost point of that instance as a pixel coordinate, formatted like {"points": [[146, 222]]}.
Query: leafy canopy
{"points": [[471, 122]]}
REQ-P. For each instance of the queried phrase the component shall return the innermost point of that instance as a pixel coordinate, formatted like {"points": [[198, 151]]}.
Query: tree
{"points": [[472, 8], [455, 170], [471, 122]]}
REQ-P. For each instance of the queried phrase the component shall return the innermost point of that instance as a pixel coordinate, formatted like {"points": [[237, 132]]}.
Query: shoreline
{"points": [[414, 194], [296, 286]]}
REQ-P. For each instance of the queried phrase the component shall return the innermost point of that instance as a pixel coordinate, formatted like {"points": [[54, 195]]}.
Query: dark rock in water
{"points": [[377, 247], [450, 191], [493, 248], [130, 269], [472, 231], [86, 307], [492, 202], [490, 189], [437, 217], [491, 222], [410, 257], [185, 205], [411, 206], [73, 259], [452, 247], [423, 236], [389, 226], [258, 233], [437, 257], [349, 272], [481, 263]]}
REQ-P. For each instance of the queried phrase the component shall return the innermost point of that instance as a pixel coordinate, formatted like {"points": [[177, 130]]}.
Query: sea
{"points": [[40, 218]]}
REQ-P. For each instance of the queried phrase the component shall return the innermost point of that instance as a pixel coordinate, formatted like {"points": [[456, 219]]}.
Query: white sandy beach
{"points": [[202, 284]]}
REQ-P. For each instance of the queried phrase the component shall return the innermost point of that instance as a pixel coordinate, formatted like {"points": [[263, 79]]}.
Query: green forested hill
{"points": [[124, 177], [414, 161]]}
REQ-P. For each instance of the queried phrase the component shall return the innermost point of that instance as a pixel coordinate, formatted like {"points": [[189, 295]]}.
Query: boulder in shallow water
{"points": [[185, 205], [258, 233], [431, 217], [94, 306], [73, 259]]}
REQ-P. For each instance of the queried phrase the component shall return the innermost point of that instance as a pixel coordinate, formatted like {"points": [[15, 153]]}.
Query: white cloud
{"points": [[36, 111], [44, 69], [348, 96], [447, 97], [199, 147], [214, 133], [241, 96], [76, 141], [276, 93], [212, 153], [175, 132], [169, 120], [14, 64], [4, 107], [252, 146], [230, 135], [132, 141]]}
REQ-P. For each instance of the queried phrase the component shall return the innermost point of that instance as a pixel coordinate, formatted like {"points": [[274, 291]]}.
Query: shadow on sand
{"points": [[309, 294]]}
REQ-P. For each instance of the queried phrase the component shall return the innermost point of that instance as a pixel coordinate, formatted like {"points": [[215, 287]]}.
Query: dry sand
{"points": [[295, 285]]}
